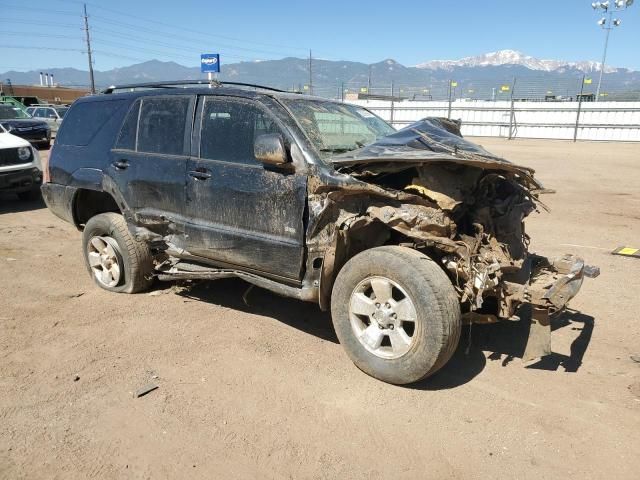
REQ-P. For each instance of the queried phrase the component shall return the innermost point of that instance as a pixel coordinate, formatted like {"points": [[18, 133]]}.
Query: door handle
{"points": [[120, 164], [200, 174]]}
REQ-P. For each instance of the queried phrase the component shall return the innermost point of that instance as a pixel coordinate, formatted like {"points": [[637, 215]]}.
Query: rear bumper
{"points": [[59, 199], [20, 180]]}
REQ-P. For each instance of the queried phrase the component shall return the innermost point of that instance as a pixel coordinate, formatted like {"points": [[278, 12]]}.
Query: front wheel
{"points": [[115, 260], [396, 314]]}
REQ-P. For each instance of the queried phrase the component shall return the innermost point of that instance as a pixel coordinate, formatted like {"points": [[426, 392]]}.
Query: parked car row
{"points": [[19, 123]]}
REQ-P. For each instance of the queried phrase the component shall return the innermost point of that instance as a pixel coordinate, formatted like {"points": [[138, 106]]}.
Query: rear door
{"points": [[240, 212], [149, 159]]}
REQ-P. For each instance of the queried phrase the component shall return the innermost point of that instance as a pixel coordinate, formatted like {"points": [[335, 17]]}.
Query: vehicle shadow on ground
{"points": [[9, 203], [233, 292], [505, 342]]}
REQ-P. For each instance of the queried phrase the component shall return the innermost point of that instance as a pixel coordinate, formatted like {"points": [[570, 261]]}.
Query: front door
{"points": [[241, 213], [149, 160]]}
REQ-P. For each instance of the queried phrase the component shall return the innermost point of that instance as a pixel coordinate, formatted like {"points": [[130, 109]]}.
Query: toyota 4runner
{"points": [[403, 235]]}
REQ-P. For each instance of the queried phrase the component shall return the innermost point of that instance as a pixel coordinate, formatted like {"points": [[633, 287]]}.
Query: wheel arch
{"points": [[88, 203], [349, 242]]}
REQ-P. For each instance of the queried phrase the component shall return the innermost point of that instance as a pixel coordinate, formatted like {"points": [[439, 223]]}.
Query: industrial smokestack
{"points": [[52, 84], [41, 79], [46, 79]]}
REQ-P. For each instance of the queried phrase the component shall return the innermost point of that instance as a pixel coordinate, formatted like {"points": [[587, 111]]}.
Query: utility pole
{"points": [[369, 82], [608, 28], [310, 74], [86, 31]]}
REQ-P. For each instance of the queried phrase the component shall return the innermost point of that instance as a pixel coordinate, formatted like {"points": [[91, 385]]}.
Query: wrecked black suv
{"points": [[404, 235]]}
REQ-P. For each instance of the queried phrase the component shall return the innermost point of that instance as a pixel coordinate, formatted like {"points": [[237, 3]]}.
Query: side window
{"points": [[39, 113], [229, 128], [50, 113], [162, 125], [127, 137], [85, 119]]}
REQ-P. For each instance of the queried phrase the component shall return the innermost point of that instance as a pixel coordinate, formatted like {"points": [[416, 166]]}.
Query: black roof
{"points": [[187, 84]]}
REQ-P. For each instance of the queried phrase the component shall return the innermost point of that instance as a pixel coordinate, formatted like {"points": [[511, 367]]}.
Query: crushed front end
{"points": [[465, 208]]}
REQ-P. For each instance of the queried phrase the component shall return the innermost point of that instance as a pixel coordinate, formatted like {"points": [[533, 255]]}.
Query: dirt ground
{"points": [[264, 390]]}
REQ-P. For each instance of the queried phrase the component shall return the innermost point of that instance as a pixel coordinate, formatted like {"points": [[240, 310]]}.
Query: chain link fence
{"points": [[527, 88]]}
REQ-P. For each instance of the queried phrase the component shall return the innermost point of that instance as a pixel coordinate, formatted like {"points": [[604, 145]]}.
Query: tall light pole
{"points": [[608, 23]]}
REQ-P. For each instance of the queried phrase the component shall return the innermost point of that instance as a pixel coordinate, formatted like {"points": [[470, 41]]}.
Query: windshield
{"points": [[61, 111], [337, 127], [8, 112]]}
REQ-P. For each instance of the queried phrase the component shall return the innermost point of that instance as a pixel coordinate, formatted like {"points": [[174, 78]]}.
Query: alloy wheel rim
{"points": [[105, 260], [383, 317]]}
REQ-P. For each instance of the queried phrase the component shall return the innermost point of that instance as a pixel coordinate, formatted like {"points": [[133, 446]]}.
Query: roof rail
{"points": [[179, 83]]}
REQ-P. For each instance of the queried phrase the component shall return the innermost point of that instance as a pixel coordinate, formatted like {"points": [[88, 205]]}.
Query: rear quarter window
{"points": [[84, 120]]}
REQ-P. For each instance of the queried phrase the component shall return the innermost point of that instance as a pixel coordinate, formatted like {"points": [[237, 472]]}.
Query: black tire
{"points": [[29, 195], [44, 145], [136, 259], [437, 307]]}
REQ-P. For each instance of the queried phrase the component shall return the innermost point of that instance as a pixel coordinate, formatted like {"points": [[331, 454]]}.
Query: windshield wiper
{"points": [[338, 150]]}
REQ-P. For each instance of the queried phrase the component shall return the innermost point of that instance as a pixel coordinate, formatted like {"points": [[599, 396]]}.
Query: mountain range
{"points": [[479, 76], [514, 57]]}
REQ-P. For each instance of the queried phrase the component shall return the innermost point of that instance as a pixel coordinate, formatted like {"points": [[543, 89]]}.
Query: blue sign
{"points": [[210, 63]]}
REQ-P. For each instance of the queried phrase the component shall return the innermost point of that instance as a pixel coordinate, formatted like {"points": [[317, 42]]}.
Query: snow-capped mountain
{"points": [[513, 57]]}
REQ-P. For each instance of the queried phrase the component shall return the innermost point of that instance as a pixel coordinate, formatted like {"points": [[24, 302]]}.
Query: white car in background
{"points": [[20, 167], [52, 114]]}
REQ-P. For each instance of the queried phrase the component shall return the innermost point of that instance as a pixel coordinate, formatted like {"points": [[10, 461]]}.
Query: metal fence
{"points": [[611, 121], [543, 87]]}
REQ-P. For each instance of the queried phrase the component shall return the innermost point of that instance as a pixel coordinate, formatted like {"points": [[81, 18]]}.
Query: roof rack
{"points": [[179, 83]]}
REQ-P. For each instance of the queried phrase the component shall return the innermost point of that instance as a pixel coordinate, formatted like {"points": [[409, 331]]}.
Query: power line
{"points": [[164, 34], [173, 27], [45, 35], [208, 34], [44, 24], [22, 47], [190, 49]]}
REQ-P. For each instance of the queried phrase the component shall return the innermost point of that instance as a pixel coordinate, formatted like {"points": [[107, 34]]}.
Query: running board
{"points": [[307, 294]]}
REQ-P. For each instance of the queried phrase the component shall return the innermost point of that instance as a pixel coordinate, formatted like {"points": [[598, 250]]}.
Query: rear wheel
{"points": [[396, 313], [115, 260]]}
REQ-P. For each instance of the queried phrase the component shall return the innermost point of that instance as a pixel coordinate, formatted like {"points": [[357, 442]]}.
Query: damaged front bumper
{"points": [[551, 286], [553, 283]]}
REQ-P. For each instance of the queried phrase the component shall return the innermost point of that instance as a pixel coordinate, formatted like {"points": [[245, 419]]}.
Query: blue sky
{"points": [[49, 33]]}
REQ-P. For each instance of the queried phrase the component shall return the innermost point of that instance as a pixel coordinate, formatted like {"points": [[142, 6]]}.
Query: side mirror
{"points": [[269, 149]]}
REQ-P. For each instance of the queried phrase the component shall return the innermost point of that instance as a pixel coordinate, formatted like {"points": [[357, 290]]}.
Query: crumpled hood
{"points": [[428, 140]]}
